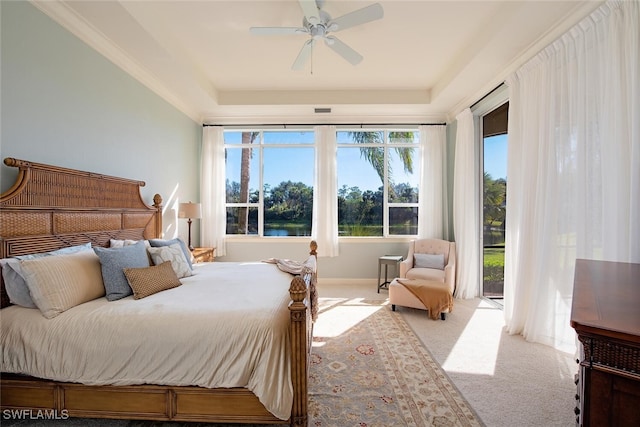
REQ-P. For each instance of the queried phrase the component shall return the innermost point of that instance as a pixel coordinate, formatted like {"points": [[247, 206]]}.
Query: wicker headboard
{"points": [[50, 207]]}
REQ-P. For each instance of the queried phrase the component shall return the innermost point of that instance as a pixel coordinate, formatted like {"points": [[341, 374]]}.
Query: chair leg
{"points": [[393, 307], [443, 316]]}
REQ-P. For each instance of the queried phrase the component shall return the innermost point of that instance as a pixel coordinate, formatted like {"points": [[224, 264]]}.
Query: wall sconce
{"points": [[190, 211]]}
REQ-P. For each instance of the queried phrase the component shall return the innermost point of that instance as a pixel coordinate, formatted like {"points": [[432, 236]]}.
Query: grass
{"points": [[493, 261]]}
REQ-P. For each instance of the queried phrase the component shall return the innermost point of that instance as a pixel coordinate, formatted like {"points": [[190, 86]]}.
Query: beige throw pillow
{"points": [[150, 280], [58, 283]]}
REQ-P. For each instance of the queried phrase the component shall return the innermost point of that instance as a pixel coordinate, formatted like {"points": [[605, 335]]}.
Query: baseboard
{"points": [[331, 281]]}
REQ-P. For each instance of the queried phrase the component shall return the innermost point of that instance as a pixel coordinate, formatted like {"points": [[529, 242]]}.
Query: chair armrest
{"points": [[450, 276], [405, 266], [450, 268]]}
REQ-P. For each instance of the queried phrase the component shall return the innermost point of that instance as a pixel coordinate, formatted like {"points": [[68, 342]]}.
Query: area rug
{"points": [[376, 372]]}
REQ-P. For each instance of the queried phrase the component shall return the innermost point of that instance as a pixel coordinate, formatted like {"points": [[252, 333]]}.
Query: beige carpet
{"points": [[506, 380]]}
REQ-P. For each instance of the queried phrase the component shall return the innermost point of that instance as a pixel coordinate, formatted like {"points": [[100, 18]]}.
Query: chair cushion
{"points": [[433, 246], [429, 261], [426, 273]]}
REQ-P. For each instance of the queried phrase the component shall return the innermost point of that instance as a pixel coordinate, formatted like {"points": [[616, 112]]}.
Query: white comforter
{"points": [[226, 326]]}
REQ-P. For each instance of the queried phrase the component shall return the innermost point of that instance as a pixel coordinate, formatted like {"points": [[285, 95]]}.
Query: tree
{"points": [[495, 200], [245, 167], [375, 155]]}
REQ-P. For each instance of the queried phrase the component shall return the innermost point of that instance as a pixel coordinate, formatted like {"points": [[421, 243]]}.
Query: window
{"points": [[269, 179], [378, 174]]}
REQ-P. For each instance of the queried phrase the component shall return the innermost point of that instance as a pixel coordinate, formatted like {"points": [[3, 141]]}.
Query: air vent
{"points": [[322, 110]]}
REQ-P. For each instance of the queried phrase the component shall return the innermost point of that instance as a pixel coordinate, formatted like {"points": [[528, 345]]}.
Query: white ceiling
{"points": [[424, 61]]}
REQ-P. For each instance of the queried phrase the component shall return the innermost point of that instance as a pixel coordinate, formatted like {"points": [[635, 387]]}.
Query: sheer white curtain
{"points": [[432, 199], [213, 224], [466, 210], [573, 168], [324, 227]]}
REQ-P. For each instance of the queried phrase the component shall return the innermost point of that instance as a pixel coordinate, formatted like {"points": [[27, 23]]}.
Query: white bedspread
{"points": [[226, 326]]}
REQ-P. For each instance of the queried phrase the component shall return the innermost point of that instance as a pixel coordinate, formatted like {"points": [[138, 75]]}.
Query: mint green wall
{"points": [[62, 103], [451, 151]]}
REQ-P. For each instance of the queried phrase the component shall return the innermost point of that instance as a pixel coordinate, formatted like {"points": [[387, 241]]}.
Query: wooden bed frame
{"points": [[50, 207]]}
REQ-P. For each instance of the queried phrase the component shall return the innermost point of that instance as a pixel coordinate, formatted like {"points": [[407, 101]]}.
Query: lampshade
{"points": [[189, 210]]}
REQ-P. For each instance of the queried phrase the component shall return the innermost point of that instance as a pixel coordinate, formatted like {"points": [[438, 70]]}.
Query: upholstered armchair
{"points": [[429, 274], [431, 259]]}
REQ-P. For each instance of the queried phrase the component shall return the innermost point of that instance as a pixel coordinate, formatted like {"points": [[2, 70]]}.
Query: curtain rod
{"points": [[485, 96], [360, 125]]}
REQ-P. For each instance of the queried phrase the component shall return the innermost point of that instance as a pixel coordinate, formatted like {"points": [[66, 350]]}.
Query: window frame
{"points": [[260, 145], [387, 145]]}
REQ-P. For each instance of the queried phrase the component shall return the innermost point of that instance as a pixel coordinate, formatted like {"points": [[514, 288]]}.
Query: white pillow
{"points": [[63, 251], [59, 283], [173, 253], [114, 243], [428, 261]]}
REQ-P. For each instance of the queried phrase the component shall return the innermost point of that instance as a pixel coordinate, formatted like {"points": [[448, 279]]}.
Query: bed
{"points": [[51, 208]]}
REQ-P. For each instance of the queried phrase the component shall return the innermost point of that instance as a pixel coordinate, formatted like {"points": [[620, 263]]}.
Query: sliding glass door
{"points": [[494, 200]]}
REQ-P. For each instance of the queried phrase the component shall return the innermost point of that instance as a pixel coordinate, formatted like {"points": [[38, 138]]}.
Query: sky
{"points": [[495, 156], [288, 166]]}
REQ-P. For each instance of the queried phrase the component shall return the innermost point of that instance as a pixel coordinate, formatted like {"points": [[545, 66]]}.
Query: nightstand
{"points": [[203, 254]]}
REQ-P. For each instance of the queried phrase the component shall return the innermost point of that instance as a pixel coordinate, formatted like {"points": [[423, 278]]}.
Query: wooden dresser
{"points": [[606, 316]]}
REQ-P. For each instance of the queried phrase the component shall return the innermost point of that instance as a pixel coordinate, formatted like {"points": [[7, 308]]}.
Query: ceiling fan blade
{"points": [[343, 50], [357, 17], [276, 31], [304, 55], [310, 11]]}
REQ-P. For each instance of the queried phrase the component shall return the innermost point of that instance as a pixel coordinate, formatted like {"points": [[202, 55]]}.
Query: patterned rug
{"points": [[368, 369], [377, 373]]}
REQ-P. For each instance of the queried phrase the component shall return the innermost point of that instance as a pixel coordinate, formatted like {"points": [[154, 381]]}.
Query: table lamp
{"points": [[190, 211]]}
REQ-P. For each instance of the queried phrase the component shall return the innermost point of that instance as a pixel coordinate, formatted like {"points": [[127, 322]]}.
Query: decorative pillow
{"points": [[428, 261], [14, 283], [58, 283], [150, 280], [156, 243], [174, 254], [114, 260]]}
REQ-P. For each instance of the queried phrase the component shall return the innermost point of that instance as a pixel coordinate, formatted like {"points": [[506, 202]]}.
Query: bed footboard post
{"points": [[157, 204], [299, 350]]}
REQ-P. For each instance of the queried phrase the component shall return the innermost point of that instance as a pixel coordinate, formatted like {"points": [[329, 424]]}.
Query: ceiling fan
{"points": [[318, 24]]}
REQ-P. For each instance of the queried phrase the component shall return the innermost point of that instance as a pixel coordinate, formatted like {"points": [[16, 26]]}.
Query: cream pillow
{"points": [[174, 254], [61, 282]]}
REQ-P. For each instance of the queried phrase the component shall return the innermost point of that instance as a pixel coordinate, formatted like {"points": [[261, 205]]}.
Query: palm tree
{"points": [[375, 155], [245, 175]]}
